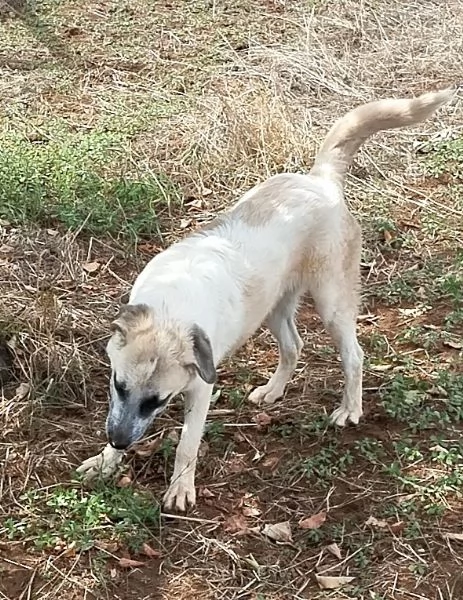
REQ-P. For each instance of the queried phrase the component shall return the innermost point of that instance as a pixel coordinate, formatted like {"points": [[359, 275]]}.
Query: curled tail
{"points": [[350, 132]]}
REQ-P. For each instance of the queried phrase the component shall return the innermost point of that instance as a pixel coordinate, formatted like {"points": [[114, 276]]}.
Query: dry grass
{"points": [[215, 98]]}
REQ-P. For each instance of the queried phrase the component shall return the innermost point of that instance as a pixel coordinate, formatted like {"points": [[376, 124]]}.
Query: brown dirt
{"points": [[253, 86]]}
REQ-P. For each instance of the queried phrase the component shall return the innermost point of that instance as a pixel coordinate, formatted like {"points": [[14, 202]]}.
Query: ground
{"points": [[124, 125]]}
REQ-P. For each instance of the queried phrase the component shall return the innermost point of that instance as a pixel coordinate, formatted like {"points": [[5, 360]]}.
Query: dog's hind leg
{"points": [[336, 300], [281, 324]]}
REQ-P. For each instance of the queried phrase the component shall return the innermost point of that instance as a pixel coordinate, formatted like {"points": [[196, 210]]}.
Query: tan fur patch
{"points": [[256, 211], [308, 263], [132, 317]]}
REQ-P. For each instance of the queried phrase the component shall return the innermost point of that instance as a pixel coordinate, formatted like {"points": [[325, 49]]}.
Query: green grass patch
{"points": [[330, 461], [80, 180], [72, 515], [445, 157], [439, 279], [424, 405]]}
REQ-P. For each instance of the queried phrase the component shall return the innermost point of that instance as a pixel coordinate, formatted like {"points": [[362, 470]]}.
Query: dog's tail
{"points": [[351, 131]]}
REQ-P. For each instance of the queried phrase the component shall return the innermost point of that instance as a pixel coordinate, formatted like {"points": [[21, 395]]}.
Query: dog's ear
{"points": [[130, 316], [202, 349]]}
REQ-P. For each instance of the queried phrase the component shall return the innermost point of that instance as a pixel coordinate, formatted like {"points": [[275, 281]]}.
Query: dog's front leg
{"points": [[181, 491]]}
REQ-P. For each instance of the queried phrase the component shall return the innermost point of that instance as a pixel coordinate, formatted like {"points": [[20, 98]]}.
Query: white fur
{"points": [[290, 234]]}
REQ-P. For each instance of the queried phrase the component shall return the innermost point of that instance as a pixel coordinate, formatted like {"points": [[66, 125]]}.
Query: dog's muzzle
{"points": [[119, 444]]}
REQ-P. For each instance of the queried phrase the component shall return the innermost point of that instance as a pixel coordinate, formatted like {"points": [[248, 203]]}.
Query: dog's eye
{"points": [[120, 387], [148, 405]]}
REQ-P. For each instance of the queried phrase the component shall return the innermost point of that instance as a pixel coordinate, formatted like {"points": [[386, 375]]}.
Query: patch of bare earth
{"points": [[218, 96]]}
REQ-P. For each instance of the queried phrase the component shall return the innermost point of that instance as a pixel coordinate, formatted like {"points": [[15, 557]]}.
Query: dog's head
{"points": [[152, 360]]}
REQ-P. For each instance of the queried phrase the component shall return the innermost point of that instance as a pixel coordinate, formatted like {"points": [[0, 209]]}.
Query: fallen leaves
{"points": [[236, 524], [205, 492], [125, 562], [327, 582], [251, 511], [271, 463], [279, 532], [149, 248], [129, 563], [376, 523], [184, 223], [382, 524], [148, 448], [150, 552], [313, 522], [263, 420], [335, 550], [124, 481], [107, 546], [91, 267], [22, 391]]}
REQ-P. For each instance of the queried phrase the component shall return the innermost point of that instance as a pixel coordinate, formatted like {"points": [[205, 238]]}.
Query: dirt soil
{"points": [[390, 504]]}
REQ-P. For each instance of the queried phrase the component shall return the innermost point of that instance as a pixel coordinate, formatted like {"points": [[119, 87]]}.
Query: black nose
{"points": [[119, 444]]}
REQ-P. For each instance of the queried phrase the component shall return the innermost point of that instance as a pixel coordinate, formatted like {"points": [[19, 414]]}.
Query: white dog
{"points": [[203, 297]]}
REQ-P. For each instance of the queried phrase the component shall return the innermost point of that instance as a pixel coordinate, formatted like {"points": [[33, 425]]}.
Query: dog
{"points": [[203, 297]]}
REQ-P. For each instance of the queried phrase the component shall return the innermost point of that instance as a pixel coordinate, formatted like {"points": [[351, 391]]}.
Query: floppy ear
{"points": [[202, 349]]}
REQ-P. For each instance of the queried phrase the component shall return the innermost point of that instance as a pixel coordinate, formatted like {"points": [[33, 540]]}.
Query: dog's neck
{"points": [[192, 287]]}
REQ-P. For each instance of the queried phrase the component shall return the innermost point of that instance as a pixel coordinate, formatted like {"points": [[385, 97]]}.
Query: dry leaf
{"points": [[204, 492], [151, 552], [70, 551], [313, 522], [236, 525], [251, 511], [148, 248], [271, 462], [454, 536], [197, 203], [52, 232], [263, 419], [397, 527], [5, 248], [332, 583], [110, 547], [388, 237], [22, 390], [148, 448], [128, 563], [173, 436], [184, 223], [124, 482], [91, 267], [236, 465], [279, 532], [374, 522], [335, 550]]}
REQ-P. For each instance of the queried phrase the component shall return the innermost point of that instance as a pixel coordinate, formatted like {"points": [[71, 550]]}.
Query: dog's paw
{"points": [[265, 394], [181, 494], [103, 465], [342, 415]]}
